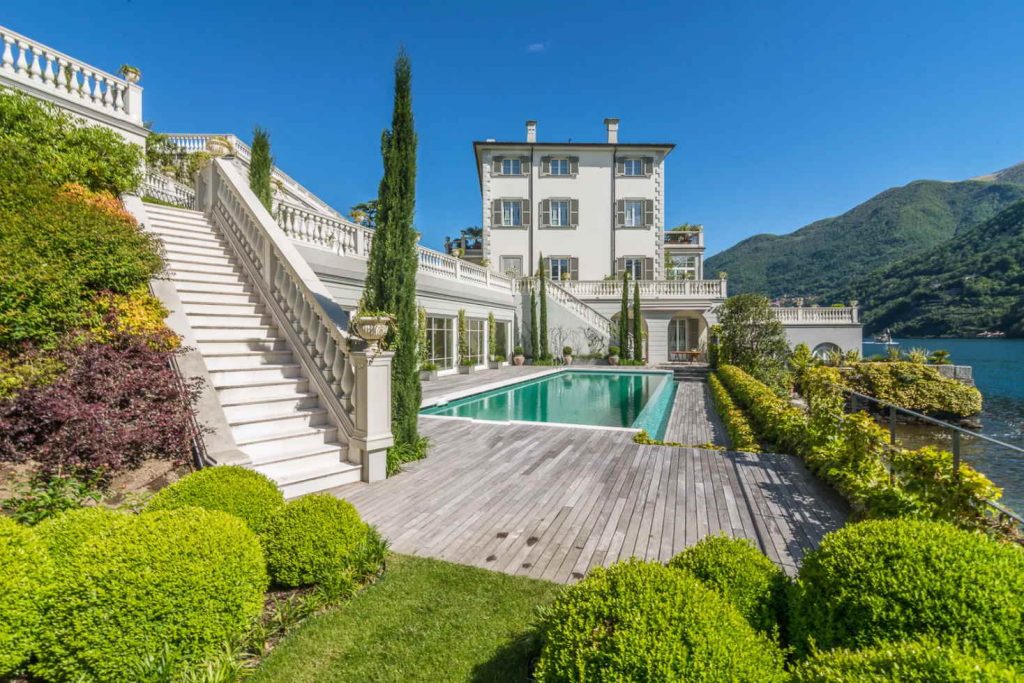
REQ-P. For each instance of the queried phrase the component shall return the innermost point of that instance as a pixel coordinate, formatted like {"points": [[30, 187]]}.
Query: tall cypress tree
{"points": [[545, 352], [638, 325], [261, 166], [534, 336], [624, 317], [391, 271]]}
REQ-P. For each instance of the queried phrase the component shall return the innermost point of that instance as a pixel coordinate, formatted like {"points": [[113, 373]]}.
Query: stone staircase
{"points": [[697, 372], [274, 416]]}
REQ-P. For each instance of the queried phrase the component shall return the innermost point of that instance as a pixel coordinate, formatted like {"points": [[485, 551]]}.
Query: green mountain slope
{"points": [[966, 285], [825, 256]]}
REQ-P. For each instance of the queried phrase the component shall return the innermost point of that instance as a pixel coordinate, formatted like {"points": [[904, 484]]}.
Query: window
{"points": [[511, 167], [511, 211], [634, 213], [679, 267], [634, 265], [475, 339], [678, 337], [633, 167], [559, 267], [558, 167], [560, 213], [439, 341], [512, 266]]}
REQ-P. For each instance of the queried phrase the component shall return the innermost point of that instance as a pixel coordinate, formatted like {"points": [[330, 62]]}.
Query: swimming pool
{"points": [[637, 399]]}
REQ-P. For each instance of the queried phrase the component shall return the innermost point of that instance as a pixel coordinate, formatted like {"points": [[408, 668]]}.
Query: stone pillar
{"points": [[133, 102], [372, 411]]}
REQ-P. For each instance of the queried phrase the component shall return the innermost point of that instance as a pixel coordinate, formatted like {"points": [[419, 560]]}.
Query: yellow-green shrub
{"points": [[25, 570], [136, 313], [914, 386], [64, 533], [741, 434], [775, 420], [238, 491]]}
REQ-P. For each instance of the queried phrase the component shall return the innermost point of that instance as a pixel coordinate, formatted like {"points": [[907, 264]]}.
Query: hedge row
{"points": [[741, 434], [914, 386]]}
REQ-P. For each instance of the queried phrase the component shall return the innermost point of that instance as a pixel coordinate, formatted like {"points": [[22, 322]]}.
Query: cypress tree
{"points": [[391, 271], [534, 338], [545, 352], [624, 317], [638, 325], [261, 166]]}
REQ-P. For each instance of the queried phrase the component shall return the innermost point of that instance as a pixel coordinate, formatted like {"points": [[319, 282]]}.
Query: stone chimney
{"points": [[531, 131], [613, 130]]}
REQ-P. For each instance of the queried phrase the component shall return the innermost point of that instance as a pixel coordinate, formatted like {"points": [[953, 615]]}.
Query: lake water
{"points": [[999, 374]]}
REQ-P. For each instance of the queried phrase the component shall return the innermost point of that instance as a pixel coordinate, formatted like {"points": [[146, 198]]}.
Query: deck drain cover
{"points": [[502, 534]]}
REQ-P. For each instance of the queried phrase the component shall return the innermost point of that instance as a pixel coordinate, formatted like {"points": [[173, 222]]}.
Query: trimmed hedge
{"points": [[237, 491], [905, 662], [741, 434], [741, 573], [314, 539], [64, 533], [188, 580], [914, 386], [887, 580], [773, 417], [637, 621], [25, 570]]}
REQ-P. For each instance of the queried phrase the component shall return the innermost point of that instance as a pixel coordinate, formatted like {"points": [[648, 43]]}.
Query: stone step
{"points": [[194, 240], [214, 287], [230, 321], [207, 334], [305, 438], [267, 427], [246, 360], [228, 346], [269, 407], [184, 232], [160, 209], [190, 297], [223, 309], [267, 373], [300, 480], [189, 267], [187, 251], [186, 226], [296, 387], [224, 259], [189, 276]]}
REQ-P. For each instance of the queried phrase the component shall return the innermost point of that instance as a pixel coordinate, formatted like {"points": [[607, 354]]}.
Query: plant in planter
{"points": [[613, 355], [567, 355], [130, 73], [493, 362], [517, 356], [466, 364], [428, 371]]}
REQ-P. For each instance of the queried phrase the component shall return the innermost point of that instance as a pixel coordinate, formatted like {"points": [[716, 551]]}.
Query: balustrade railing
{"points": [[563, 296], [28, 62], [168, 189], [649, 289], [814, 315], [352, 388]]}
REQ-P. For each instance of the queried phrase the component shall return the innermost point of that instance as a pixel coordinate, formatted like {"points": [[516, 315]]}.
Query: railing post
{"points": [[956, 455], [372, 411], [892, 425]]}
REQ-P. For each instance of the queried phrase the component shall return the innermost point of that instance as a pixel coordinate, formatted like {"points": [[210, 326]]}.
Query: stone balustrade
{"points": [[649, 289], [168, 189], [352, 380], [36, 68], [558, 292], [815, 315]]}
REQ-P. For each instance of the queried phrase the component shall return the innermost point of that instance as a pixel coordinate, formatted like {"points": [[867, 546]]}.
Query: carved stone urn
{"points": [[372, 328]]}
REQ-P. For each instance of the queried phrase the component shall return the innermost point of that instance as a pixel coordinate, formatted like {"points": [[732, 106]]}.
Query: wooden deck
{"points": [[551, 502], [694, 420]]}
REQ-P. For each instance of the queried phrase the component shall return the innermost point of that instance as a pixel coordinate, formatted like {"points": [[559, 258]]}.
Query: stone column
{"points": [[372, 411]]}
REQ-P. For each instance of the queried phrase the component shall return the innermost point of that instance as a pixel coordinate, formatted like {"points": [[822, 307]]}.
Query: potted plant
{"points": [[565, 277], [493, 363], [567, 355], [466, 367], [517, 356], [428, 371], [613, 355], [219, 146], [371, 326], [130, 73]]}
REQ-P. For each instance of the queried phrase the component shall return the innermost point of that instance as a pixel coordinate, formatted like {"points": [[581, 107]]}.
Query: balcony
{"points": [[467, 248], [693, 238], [814, 315], [649, 289]]}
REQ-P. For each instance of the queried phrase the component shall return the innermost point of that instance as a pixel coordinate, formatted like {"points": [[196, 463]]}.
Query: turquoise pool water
{"points": [[609, 399]]}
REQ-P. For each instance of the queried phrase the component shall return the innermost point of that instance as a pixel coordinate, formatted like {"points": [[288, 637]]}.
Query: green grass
{"points": [[426, 620]]}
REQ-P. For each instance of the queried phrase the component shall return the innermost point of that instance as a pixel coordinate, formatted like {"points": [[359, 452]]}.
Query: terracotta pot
{"points": [[613, 360], [567, 360], [518, 360]]}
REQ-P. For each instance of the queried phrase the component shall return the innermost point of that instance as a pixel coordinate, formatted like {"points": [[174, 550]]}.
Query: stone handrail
{"points": [[352, 381], [168, 189], [196, 142], [27, 62], [649, 289], [351, 239], [815, 315], [563, 296]]}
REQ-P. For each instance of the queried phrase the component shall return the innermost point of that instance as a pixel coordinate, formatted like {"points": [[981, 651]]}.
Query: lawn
{"points": [[425, 620]]}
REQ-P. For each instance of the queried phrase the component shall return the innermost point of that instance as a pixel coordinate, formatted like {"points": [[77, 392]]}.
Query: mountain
{"points": [[823, 257], [970, 284]]}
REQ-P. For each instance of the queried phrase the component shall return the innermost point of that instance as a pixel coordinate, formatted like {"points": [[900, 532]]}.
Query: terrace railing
{"points": [[649, 289], [168, 189], [38, 68], [815, 315], [563, 296]]}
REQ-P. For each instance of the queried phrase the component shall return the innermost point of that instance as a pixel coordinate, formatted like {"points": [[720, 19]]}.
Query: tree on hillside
{"points": [[364, 213], [752, 337], [638, 325], [391, 271], [545, 352], [261, 166], [624, 317]]}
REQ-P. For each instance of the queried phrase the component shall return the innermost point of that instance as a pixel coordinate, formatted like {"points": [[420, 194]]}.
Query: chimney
{"points": [[613, 130], [531, 131]]}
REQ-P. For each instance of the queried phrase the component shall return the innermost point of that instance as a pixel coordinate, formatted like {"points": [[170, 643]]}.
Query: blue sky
{"points": [[782, 112]]}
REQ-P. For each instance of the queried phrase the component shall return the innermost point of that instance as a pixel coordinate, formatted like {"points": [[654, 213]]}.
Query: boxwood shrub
{"points": [[888, 580], [236, 490], [25, 571], [906, 662], [187, 580], [638, 621], [314, 539], [64, 533], [741, 434], [741, 573], [914, 386]]}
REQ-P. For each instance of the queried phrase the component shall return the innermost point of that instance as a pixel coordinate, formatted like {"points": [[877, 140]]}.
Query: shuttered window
{"points": [[634, 265], [635, 167], [561, 267], [510, 213], [559, 213], [558, 167], [633, 216], [510, 166]]}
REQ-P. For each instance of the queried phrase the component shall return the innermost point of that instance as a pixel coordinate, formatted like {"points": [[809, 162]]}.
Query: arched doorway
{"points": [[686, 331], [822, 351]]}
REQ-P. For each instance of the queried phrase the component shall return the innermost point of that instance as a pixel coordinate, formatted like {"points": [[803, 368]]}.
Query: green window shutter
{"points": [[574, 213], [648, 165], [545, 213], [574, 268], [496, 165], [524, 165], [620, 167], [648, 268], [620, 265], [574, 165], [648, 213], [545, 165], [495, 212], [526, 212], [620, 213]]}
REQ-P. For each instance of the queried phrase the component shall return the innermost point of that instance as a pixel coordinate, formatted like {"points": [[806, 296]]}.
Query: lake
{"points": [[999, 374]]}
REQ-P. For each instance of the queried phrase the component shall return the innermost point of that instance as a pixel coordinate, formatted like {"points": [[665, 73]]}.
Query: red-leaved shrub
{"points": [[117, 404]]}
